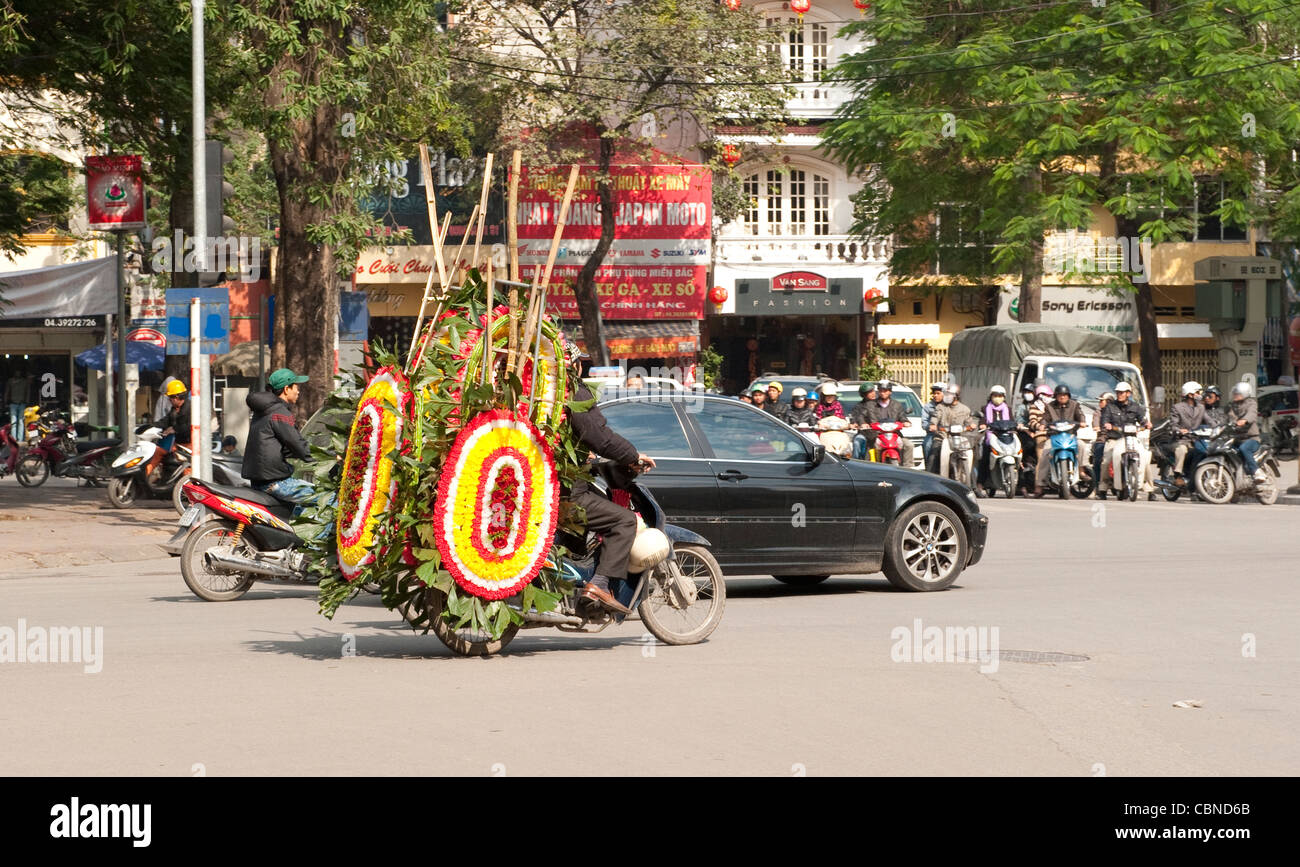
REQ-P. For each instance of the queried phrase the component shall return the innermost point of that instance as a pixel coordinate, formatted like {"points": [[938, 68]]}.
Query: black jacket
{"points": [[594, 433], [1117, 415], [179, 421], [272, 439]]}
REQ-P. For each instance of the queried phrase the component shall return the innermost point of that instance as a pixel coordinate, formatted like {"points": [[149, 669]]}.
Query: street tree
{"points": [[577, 76], [1023, 119]]}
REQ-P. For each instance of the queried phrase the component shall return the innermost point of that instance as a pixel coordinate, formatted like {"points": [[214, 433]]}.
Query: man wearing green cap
{"points": [[273, 438]]}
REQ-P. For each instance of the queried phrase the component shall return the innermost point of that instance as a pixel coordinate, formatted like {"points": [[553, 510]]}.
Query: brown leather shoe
{"points": [[605, 598], [1037, 494]]}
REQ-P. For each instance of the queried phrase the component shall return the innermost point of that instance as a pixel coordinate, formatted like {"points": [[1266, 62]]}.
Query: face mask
{"points": [[948, 398], [997, 399]]}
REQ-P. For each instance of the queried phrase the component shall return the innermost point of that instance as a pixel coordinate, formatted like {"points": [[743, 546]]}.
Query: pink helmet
{"points": [[1043, 391]]}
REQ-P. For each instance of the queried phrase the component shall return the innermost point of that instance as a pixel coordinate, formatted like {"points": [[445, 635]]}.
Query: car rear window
{"points": [[652, 427]]}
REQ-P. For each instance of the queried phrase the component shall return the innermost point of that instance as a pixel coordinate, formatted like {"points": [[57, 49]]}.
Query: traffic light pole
{"points": [[198, 134], [125, 427]]}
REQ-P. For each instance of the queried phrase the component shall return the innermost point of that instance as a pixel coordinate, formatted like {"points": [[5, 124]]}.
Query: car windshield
{"points": [[906, 398], [1087, 381]]}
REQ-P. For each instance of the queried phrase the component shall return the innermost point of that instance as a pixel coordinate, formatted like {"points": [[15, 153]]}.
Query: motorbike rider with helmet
{"points": [[1099, 444], [950, 412], [1119, 412], [995, 409], [615, 523], [1215, 413], [801, 411], [175, 423], [928, 452], [885, 409], [1063, 407], [860, 419], [1184, 417], [1243, 415], [1036, 413], [773, 405], [830, 401]]}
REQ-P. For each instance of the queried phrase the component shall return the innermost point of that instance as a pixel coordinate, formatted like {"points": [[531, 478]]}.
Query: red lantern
{"points": [[861, 5], [800, 6], [718, 294], [733, 5], [872, 297], [730, 154]]}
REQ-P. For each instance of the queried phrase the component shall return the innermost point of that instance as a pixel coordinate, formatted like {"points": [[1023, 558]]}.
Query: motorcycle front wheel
{"points": [[430, 603], [1132, 480], [1063, 469], [665, 610], [121, 492], [32, 471], [209, 585], [179, 502], [1214, 483]]}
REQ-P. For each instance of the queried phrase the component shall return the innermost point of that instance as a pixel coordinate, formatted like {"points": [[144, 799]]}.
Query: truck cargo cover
{"points": [[1006, 346]]}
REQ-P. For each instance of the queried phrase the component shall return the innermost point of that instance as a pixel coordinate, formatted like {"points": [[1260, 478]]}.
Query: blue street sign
{"points": [[214, 320]]}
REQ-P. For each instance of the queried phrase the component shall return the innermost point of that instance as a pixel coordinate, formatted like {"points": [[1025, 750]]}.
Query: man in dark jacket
{"points": [[615, 523], [1121, 411], [801, 411], [1184, 417], [273, 437], [885, 409]]}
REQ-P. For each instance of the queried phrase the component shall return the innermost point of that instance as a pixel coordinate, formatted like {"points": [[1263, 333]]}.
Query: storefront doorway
{"points": [[792, 345]]}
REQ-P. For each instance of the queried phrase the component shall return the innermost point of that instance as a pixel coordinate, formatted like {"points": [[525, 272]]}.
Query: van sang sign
{"points": [[1078, 307], [657, 267], [115, 192]]}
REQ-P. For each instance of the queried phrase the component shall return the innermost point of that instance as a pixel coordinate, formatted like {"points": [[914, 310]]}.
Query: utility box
{"points": [[1222, 303], [1238, 295]]}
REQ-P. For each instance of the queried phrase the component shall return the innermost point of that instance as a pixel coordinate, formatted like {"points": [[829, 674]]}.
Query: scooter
{"points": [[1221, 476], [674, 584], [832, 432], [1163, 442], [137, 474], [1063, 454], [59, 453], [1004, 457], [961, 454], [889, 442]]}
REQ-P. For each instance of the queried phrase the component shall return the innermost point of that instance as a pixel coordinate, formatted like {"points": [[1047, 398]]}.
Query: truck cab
{"points": [[1087, 378]]}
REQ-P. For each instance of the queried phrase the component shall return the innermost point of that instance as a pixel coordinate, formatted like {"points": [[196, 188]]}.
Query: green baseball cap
{"points": [[283, 378]]}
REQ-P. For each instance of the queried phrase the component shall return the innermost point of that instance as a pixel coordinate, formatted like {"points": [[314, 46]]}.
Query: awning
{"points": [[661, 339], [78, 289]]}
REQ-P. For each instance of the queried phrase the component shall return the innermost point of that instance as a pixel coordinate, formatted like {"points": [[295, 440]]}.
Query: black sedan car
{"points": [[771, 501]]}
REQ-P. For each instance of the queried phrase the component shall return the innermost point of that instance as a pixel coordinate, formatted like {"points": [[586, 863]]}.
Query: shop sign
{"points": [[799, 281], [115, 192], [762, 297], [1078, 307]]}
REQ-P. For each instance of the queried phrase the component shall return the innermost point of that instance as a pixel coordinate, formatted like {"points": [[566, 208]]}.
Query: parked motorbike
{"points": [[889, 443], [54, 450], [1004, 457], [1221, 475], [239, 536]]}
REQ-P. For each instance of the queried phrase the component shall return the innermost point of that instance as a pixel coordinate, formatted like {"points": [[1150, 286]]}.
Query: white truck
{"points": [[1013, 356]]}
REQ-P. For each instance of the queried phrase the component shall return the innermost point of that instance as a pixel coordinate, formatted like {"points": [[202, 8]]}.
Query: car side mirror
{"points": [[818, 454]]}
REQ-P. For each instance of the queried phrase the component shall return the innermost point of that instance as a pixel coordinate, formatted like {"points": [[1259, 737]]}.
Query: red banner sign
{"points": [[799, 281], [658, 265], [115, 192]]}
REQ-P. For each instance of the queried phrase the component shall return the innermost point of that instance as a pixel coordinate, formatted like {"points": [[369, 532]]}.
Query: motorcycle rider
{"points": [[800, 411], [1243, 414], [950, 412], [1065, 408], [615, 523], [1035, 413], [774, 405], [830, 401], [995, 409], [1215, 414], [273, 438], [1184, 417], [885, 409], [928, 453], [1099, 443], [1119, 412], [759, 397], [175, 423], [865, 437]]}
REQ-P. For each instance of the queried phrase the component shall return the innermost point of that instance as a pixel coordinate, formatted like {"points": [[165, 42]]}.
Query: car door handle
{"points": [[732, 476]]}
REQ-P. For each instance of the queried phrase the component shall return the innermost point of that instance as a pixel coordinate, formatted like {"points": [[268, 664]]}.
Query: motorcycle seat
{"points": [[82, 448], [251, 495]]}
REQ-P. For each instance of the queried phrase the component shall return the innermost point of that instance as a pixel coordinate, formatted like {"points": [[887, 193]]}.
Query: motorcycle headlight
{"points": [[132, 462]]}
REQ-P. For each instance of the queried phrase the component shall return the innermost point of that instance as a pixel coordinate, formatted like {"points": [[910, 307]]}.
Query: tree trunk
{"points": [[306, 282], [1031, 273], [1149, 361], [584, 292]]}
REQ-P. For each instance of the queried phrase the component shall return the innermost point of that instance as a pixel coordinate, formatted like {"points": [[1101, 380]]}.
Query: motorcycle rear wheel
{"points": [[122, 492], [208, 585], [32, 471], [673, 625], [1215, 484], [179, 502], [462, 642]]}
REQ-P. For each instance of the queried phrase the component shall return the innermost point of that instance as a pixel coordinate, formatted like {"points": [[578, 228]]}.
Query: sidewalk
{"points": [[60, 524]]}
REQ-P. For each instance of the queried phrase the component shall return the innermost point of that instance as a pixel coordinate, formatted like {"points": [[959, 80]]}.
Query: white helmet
{"points": [[650, 548], [938, 386], [952, 388], [1191, 386], [1123, 386], [997, 389], [830, 388], [797, 393], [1241, 388]]}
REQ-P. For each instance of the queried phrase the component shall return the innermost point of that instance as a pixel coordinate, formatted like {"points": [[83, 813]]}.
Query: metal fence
{"points": [[1179, 365], [916, 366]]}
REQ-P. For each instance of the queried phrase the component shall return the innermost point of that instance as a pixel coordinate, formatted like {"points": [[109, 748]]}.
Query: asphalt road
{"points": [[1167, 602]]}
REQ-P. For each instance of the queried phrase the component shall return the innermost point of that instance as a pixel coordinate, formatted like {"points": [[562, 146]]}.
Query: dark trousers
{"points": [[617, 525]]}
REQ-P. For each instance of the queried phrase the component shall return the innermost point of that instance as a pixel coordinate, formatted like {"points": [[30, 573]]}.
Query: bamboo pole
{"points": [[561, 219], [458, 263], [482, 205], [431, 202], [512, 241]]}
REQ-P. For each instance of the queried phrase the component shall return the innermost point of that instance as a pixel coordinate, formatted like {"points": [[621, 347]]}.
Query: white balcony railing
{"points": [[803, 249], [817, 100]]}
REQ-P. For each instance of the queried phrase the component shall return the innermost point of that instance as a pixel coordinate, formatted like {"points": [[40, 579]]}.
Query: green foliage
{"points": [[873, 365], [710, 367], [36, 192]]}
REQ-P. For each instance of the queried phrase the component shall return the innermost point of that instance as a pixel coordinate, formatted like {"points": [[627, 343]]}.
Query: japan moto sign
{"points": [[657, 267], [115, 192]]}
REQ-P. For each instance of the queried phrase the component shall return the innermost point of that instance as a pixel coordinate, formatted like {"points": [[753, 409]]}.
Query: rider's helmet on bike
{"points": [[1123, 391], [1212, 392], [885, 385], [1044, 392], [176, 387], [866, 389], [1241, 391], [1191, 387], [950, 393], [1062, 391], [997, 394]]}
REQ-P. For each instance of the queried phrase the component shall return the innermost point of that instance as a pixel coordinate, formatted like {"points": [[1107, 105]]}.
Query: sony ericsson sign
{"points": [[798, 293], [1087, 307]]}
